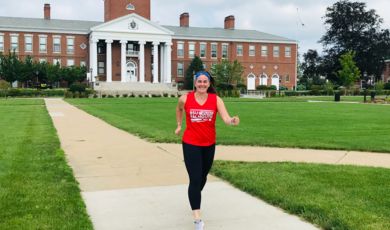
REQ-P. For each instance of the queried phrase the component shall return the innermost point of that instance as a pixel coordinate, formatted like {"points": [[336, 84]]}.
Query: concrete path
{"points": [[128, 183]]}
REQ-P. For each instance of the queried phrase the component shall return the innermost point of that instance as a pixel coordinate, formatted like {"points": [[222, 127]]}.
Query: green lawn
{"points": [[13, 102], [37, 187], [335, 197], [302, 125]]}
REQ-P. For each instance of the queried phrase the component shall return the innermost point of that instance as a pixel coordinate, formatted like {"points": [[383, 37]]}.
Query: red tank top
{"points": [[200, 120]]}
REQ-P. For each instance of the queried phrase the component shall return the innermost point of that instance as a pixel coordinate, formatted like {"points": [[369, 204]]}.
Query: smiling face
{"points": [[202, 84]]}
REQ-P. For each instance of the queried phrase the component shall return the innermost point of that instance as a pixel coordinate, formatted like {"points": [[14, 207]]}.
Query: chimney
{"points": [[184, 20], [229, 22], [46, 10]]}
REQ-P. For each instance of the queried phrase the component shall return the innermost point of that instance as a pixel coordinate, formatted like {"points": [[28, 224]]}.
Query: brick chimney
{"points": [[46, 9], [229, 22], [184, 20]]}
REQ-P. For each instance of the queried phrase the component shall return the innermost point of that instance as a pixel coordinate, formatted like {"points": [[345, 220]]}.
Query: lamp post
{"points": [[364, 90], [90, 78], [280, 81], [37, 77]]}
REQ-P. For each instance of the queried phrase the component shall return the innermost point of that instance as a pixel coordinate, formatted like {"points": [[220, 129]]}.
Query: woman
{"points": [[201, 108]]}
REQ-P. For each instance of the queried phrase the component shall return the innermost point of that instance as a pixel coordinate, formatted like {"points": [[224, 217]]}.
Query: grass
{"points": [[37, 187], [335, 197], [338, 126], [13, 102]]}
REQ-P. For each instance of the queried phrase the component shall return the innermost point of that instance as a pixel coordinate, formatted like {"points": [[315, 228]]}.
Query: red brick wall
{"points": [[117, 8], [286, 65]]}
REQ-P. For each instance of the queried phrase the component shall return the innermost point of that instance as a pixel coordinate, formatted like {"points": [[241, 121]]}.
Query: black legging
{"points": [[198, 161]]}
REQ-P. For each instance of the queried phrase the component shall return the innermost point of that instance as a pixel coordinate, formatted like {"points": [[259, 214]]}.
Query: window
{"points": [[204, 66], [42, 60], [288, 51], [203, 50], [15, 42], [1, 42], [264, 51], [224, 51], [101, 67], [70, 45], [239, 49], [276, 51], [214, 50], [56, 44], [287, 78], [57, 60], [42, 43], [83, 63], [101, 47], [251, 50], [29, 45], [180, 68], [180, 51], [191, 50], [70, 62]]}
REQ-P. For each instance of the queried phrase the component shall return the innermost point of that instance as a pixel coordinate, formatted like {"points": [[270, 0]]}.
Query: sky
{"points": [[277, 17]]}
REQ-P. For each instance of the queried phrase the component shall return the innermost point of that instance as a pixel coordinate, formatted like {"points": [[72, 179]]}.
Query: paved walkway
{"points": [[128, 183]]}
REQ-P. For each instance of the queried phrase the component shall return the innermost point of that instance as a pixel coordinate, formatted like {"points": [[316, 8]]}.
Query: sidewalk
{"points": [[128, 183]]}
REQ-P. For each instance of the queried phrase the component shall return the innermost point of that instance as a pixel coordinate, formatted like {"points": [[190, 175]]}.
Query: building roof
{"points": [[220, 34], [46, 25], [186, 33]]}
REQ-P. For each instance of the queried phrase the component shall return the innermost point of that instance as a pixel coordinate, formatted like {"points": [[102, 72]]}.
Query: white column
{"points": [[109, 61], [155, 62], [123, 61], [94, 58], [168, 62], [162, 77], [141, 61]]}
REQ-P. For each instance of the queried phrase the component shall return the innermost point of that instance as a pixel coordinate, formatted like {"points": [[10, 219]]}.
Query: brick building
{"points": [[127, 48]]}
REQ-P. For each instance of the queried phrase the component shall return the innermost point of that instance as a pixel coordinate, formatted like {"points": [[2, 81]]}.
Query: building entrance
{"points": [[132, 72]]}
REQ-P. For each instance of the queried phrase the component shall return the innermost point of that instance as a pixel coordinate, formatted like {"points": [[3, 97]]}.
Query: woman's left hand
{"points": [[235, 120]]}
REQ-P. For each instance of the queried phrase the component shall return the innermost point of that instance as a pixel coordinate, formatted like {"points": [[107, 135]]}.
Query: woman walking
{"points": [[200, 108]]}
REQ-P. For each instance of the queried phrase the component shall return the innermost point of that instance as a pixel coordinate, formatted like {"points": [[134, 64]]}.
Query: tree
{"points": [[10, 67], [195, 66], [228, 72], [80, 73], [27, 70], [41, 69], [350, 73], [312, 69], [351, 27], [53, 73]]}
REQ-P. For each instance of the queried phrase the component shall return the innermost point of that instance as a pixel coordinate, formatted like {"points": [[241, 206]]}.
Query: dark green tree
{"points": [[53, 73], [228, 72], [27, 70], [40, 70], [351, 27], [10, 67], [195, 66], [312, 69]]}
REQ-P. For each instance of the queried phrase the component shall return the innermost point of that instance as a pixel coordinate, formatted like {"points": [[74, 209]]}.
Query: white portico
{"points": [[131, 49]]}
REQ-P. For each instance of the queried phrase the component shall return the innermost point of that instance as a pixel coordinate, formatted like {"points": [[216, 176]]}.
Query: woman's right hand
{"points": [[177, 131]]}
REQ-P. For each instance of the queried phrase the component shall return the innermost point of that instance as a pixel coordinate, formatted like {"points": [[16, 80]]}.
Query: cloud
{"points": [[276, 17]]}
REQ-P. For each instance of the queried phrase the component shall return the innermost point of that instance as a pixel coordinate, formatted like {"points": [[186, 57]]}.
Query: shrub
{"points": [[95, 96], [117, 95], [342, 91], [266, 93], [283, 87], [226, 93], [110, 96], [221, 86], [140, 95], [301, 87], [336, 87], [315, 92], [262, 87], [356, 92], [75, 87], [5, 85], [165, 94], [367, 91], [70, 95], [132, 95], [317, 87], [104, 96], [14, 92], [233, 93], [146, 95], [241, 86], [173, 95], [238, 94], [76, 94], [388, 92], [387, 85], [230, 87], [272, 87], [154, 95], [379, 86], [83, 95], [125, 95], [273, 93]]}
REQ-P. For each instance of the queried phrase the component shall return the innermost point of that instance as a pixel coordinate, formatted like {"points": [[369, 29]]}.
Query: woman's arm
{"points": [[179, 113], [224, 114]]}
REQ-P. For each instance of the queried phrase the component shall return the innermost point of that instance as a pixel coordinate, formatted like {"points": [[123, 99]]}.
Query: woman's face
{"points": [[202, 84]]}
